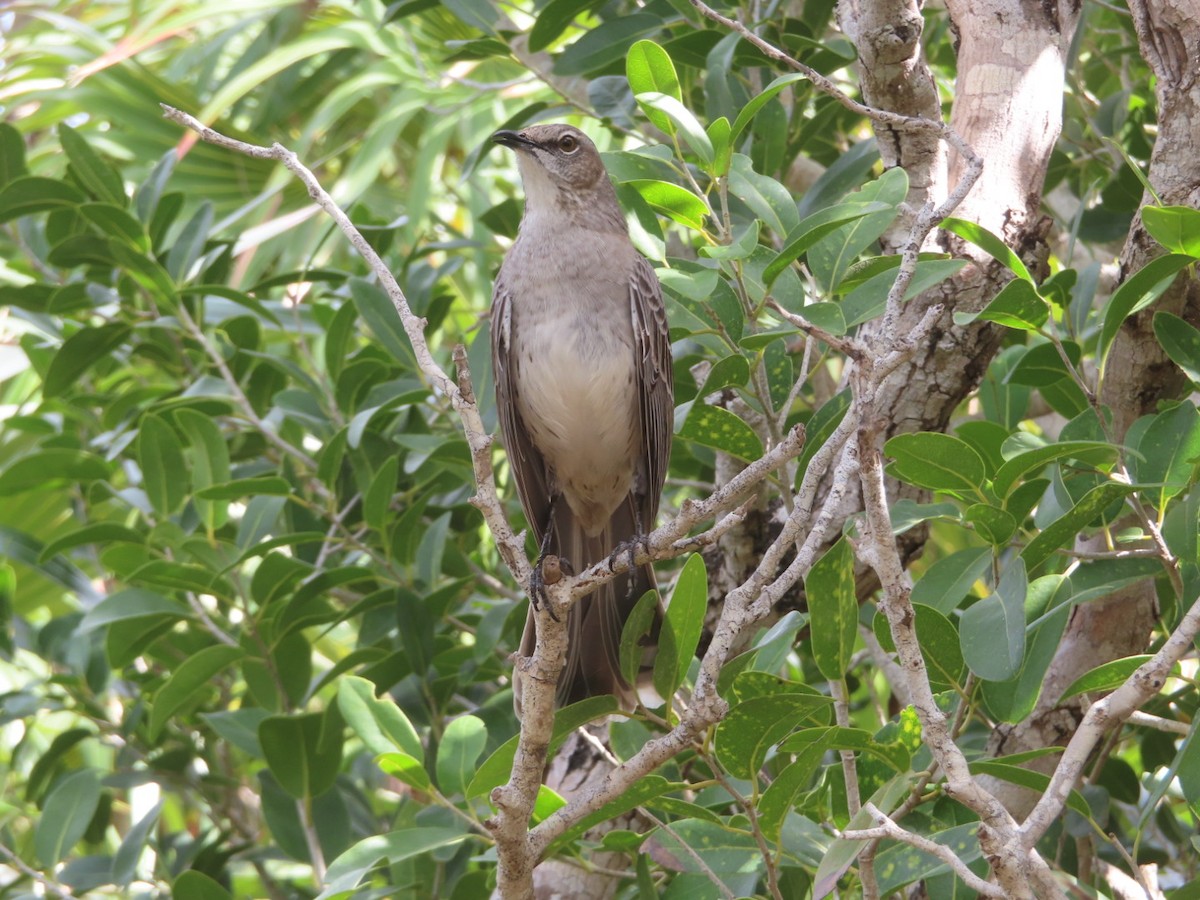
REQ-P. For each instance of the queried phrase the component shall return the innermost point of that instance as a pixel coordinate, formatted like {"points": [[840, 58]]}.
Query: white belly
{"points": [[578, 399]]}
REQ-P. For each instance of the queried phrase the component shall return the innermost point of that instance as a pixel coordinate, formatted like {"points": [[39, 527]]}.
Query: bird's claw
{"points": [[547, 570], [630, 547]]}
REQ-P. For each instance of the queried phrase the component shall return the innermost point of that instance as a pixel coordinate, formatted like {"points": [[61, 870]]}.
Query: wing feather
{"points": [[655, 380], [526, 463]]}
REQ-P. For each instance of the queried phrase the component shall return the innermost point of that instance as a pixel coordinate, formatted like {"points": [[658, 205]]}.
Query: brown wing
{"points": [[656, 394], [527, 465]]}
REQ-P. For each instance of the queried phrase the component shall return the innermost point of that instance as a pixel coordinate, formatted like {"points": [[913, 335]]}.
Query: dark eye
{"points": [[568, 143]]}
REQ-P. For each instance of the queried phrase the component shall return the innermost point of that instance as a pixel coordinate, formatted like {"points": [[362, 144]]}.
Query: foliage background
{"points": [[230, 504]]}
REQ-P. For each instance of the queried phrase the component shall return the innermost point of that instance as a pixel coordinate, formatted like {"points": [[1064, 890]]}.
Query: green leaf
{"points": [[378, 498], [132, 603], [379, 723], [555, 17], [1168, 453], [210, 462], [672, 201], [304, 752], [97, 533], [720, 429], [147, 272], [993, 630], [1106, 677], [739, 248], [990, 244], [813, 228], [97, 176], [679, 120], [50, 470], [1177, 228], [1180, 341], [901, 865], [66, 815], [681, 627], [992, 523], [263, 485], [1064, 529], [190, 243], [1035, 781], [939, 642], [649, 69], [834, 737], [12, 154], [376, 309], [462, 742], [906, 514], [116, 223], [195, 885], [124, 864], [345, 872], [842, 853], [1033, 461], [831, 257], [605, 44], [32, 194], [165, 475], [1018, 305], [718, 136], [869, 299], [640, 793], [1013, 700], [948, 581], [638, 626], [1042, 365], [239, 727], [755, 725], [939, 462], [495, 770], [406, 768], [767, 198], [1138, 291], [186, 681], [750, 110], [833, 606], [704, 848]]}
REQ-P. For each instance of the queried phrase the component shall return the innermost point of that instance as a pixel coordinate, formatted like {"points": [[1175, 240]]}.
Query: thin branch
{"points": [[1158, 723], [52, 888], [486, 499], [886, 828], [1104, 714], [827, 87]]}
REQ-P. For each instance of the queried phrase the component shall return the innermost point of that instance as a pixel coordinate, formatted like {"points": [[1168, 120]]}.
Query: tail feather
{"points": [[595, 623]]}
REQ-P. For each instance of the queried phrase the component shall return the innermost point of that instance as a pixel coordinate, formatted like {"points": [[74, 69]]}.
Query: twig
{"points": [[1146, 720], [486, 498], [315, 854], [886, 828], [827, 87], [53, 888], [1105, 713]]}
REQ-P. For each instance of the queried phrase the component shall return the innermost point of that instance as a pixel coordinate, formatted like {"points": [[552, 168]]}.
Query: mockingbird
{"points": [[584, 389]]}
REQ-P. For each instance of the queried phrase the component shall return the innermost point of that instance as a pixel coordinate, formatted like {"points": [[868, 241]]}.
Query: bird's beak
{"points": [[512, 140]]}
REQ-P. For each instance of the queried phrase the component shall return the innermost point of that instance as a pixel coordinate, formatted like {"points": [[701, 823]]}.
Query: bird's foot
{"points": [[629, 547], [548, 569]]}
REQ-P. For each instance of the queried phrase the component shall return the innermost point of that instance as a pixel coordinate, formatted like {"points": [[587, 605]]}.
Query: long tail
{"points": [[595, 623]]}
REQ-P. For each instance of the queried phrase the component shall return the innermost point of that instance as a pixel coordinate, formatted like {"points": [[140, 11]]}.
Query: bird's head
{"points": [[559, 165]]}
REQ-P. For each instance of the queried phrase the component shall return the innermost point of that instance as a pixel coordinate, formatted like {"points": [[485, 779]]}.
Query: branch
{"points": [[826, 86], [886, 828], [1104, 714], [486, 498]]}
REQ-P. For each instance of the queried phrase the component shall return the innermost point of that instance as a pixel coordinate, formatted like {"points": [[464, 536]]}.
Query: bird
{"points": [[581, 355]]}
